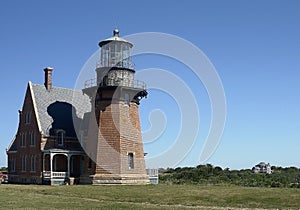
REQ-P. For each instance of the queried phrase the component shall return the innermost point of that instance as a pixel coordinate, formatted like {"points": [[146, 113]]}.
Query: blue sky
{"points": [[254, 46]]}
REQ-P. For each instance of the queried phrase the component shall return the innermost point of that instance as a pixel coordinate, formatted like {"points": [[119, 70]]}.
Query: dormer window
{"points": [[60, 137]]}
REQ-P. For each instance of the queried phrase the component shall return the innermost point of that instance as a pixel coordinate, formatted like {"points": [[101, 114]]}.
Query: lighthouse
{"points": [[114, 142]]}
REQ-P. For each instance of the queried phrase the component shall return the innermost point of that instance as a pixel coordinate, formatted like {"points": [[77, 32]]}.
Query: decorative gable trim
{"points": [[34, 107]]}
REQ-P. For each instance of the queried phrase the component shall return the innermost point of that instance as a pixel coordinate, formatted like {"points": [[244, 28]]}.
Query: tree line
{"points": [[209, 174]]}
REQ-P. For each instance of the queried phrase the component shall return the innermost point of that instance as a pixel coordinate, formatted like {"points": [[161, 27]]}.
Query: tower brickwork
{"points": [[118, 151]]}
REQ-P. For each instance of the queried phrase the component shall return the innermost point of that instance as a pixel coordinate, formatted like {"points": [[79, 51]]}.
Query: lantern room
{"points": [[115, 52]]}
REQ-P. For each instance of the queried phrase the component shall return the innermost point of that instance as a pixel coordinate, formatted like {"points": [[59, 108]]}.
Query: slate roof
{"points": [[60, 104], [44, 100]]}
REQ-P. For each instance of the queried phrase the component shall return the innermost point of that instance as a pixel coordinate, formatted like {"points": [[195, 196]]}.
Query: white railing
{"points": [[90, 83], [112, 82], [54, 174], [113, 63], [59, 174], [152, 172], [46, 174]]}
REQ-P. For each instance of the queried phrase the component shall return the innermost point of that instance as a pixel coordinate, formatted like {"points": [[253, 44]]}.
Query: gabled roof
{"points": [[49, 104], [55, 109], [12, 146]]}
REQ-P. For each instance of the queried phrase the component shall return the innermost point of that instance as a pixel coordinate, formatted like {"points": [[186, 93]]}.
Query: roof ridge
{"points": [[59, 87]]}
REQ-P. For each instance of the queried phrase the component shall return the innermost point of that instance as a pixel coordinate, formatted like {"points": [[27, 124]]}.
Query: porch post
{"points": [[51, 164], [69, 160], [43, 162]]}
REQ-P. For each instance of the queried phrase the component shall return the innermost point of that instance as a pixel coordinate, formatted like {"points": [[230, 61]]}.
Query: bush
{"points": [[208, 174]]}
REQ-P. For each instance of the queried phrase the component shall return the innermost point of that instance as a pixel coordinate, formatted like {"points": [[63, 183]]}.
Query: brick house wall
{"points": [[25, 162], [25, 154]]}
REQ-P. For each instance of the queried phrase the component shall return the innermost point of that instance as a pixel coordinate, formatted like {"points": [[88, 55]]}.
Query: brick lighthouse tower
{"points": [[115, 141]]}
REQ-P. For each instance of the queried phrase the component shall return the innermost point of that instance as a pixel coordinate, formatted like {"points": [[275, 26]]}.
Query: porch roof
{"points": [[63, 151]]}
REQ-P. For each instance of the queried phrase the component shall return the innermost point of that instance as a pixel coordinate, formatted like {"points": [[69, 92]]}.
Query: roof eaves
{"points": [[11, 143]]}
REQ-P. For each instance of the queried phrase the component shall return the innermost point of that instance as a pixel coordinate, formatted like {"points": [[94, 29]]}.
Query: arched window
{"points": [[12, 164], [23, 162], [32, 138], [23, 139], [27, 117], [32, 163]]}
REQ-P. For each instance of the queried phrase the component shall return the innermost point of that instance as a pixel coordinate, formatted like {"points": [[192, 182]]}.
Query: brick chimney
{"points": [[48, 78]]}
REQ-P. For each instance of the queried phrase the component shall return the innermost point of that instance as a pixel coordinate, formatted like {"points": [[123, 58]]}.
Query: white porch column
{"points": [[69, 160], [43, 162], [51, 164]]}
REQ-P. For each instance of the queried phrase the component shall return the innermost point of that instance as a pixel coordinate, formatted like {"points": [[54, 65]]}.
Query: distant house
{"points": [[262, 167]]}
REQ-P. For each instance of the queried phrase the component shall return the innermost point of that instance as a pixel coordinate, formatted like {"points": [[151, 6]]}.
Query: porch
{"points": [[61, 165]]}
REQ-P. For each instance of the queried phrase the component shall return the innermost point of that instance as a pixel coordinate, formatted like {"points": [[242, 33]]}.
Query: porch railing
{"points": [[54, 174]]}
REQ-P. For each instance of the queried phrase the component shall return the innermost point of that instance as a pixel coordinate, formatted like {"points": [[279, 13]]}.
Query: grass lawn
{"points": [[146, 197]]}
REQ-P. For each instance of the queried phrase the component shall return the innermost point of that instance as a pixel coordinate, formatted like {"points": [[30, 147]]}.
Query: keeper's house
{"points": [[45, 147]]}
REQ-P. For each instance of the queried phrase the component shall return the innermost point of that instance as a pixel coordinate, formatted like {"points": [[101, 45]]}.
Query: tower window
{"points": [[127, 99], [130, 161]]}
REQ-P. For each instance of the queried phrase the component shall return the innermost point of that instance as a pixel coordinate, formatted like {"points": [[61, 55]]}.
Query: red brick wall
{"points": [[25, 128], [108, 147], [131, 139], [120, 134]]}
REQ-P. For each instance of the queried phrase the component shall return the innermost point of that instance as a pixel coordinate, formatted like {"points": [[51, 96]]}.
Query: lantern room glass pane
{"points": [[116, 54]]}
